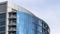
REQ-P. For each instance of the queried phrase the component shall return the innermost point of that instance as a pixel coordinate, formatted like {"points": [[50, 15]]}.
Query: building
{"points": [[15, 19]]}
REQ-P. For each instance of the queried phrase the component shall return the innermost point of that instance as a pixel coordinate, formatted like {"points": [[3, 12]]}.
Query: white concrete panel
{"points": [[17, 7]]}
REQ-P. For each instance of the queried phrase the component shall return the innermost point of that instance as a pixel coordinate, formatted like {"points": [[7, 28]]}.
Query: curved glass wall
{"points": [[29, 24], [45, 28]]}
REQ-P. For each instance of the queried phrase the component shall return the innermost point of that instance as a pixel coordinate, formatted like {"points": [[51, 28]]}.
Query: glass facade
{"points": [[2, 23], [45, 28], [23, 23], [29, 24]]}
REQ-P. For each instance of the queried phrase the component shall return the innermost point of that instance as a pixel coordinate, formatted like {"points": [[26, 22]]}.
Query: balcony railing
{"points": [[12, 23], [12, 16], [12, 29], [12, 33]]}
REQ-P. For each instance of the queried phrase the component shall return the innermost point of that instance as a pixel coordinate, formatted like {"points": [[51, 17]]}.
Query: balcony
{"points": [[12, 32], [12, 16], [12, 28], [12, 23]]}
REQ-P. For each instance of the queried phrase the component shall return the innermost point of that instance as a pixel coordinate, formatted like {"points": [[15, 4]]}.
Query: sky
{"points": [[48, 10]]}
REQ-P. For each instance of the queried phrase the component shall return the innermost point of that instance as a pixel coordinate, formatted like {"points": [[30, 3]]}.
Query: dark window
{"points": [[2, 23], [2, 16], [2, 19], [2, 28], [2, 33]]}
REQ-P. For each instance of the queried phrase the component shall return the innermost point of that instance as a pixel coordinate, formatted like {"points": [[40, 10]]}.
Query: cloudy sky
{"points": [[48, 10]]}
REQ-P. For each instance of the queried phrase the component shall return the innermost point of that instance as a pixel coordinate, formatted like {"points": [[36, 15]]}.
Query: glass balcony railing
{"points": [[12, 29], [12, 16], [12, 23], [12, 33]]}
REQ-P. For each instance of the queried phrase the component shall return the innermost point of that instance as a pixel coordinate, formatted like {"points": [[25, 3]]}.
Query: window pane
{"points": [[2, 28]]}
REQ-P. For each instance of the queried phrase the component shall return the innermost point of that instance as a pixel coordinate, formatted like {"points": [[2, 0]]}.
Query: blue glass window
{"points": [[2, 28], [2, 23], [2, 32], [25, 23]]}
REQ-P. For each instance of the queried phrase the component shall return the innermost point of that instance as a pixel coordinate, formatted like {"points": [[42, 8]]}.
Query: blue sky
{"points": [[48, 10]]}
